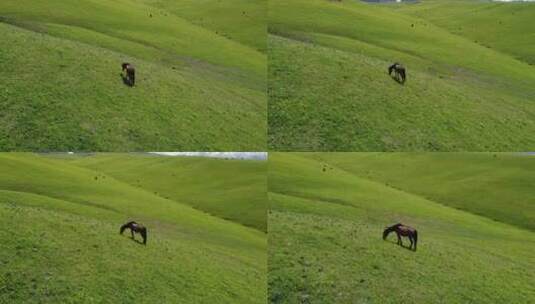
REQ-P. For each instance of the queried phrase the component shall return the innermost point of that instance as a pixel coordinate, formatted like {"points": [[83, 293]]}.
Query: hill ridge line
{"points": [[485, 78], [320, 199], [167, 199], [510, 56], [98, 206], [183, 204], [141, 43], [199, 26], [421, 197], [164, 198], [405, 53], [82, 43], [314, 198], [50, 163], [410, 19], [288, 35]]}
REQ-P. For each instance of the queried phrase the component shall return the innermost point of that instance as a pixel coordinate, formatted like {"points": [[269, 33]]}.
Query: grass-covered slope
{"points": [[196, 89], [327, 79], [325, 241], [495, 185], [204, 183], [61, 242], [507, 28], [240, 20]]}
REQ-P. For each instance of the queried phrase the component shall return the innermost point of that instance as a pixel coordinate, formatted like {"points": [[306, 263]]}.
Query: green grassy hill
{"points": [[327, 77], [494, 185], [204, 183], [240, 20], [198, 87], [326, 222], [507, 28], [61, 242]]}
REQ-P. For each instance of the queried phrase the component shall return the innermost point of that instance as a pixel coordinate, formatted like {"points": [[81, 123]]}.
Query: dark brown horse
{"points": [[137, 228], [402, 230], [130, 73], [399, 72]]}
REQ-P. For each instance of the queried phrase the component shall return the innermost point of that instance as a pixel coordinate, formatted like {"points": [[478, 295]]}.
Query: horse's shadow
{"points": [[125, 79], [136, 241], [402, 246], [397, 79]]}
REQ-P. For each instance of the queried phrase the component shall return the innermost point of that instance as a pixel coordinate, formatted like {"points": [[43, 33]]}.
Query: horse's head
{"points": [[386, 232], [390, 229]]}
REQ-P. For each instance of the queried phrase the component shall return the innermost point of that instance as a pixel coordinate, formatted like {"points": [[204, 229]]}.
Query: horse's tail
{"points": [[144, 235], [415, 239], [123, 227]]}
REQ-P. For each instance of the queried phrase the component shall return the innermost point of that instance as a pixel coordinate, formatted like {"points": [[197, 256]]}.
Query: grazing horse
{"points": [[399, 72], [137, 228], [402, 230], [130, 73]]}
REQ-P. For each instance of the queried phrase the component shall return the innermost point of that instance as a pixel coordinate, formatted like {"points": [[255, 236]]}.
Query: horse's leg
{"points": [[399, 239], [132, 231], [131, 77], [410, 239]]}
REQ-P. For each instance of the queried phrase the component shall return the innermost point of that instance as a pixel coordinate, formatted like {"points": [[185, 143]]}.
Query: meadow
{"points": [[327, 212], [61, 242], [470, 71], [200, 81]]}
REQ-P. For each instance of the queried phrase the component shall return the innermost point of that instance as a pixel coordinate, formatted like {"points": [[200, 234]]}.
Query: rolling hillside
{"points": [[204, 183], [61, 242], [466, 89], [326, 223], [199, 86], [507, 28], [494, 185]]}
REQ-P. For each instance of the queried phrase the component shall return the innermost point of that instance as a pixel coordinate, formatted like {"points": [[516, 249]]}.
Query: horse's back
{"points": [[406, 228]]}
